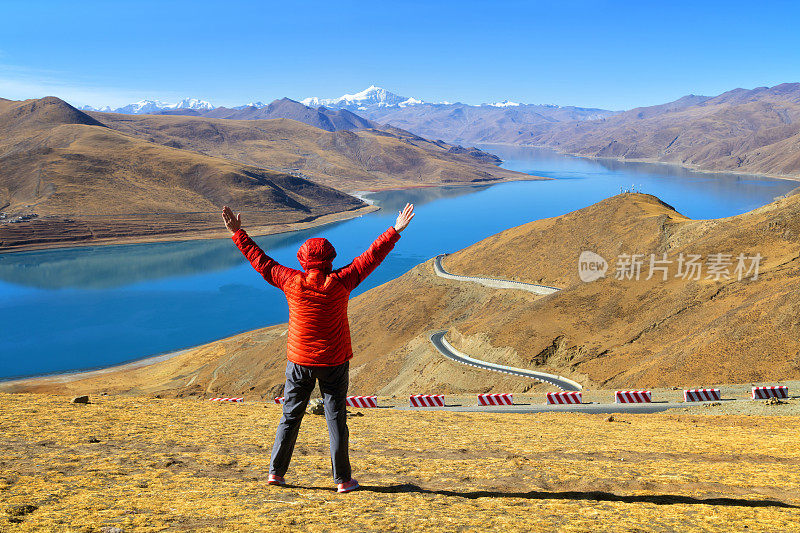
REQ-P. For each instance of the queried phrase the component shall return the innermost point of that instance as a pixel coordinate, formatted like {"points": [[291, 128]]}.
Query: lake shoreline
{"points": [[200, 235], [75, 375], [650, 161], [256, 231], [565, 187]]}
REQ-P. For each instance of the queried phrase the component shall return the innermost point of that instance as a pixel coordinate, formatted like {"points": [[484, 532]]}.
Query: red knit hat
{"points": [[316, 253]]}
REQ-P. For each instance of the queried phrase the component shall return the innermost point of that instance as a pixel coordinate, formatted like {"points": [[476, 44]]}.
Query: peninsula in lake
{"points": [[69, 177]]}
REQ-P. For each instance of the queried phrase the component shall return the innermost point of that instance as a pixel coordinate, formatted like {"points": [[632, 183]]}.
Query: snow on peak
{"points": [[311, 101], [104, 109], [505, 103], [372, 96], [191, 103], [410, 101], [144, 107]]}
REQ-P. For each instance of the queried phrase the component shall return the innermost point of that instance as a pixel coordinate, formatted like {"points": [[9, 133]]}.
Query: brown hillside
{"points": [[650, 333], [87, 182], [742, 130], [347, 160], [609, 333]]}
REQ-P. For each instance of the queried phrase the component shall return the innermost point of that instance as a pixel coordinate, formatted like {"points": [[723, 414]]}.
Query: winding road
{"points": [[447, 350], [450, 352], [491, 282]]}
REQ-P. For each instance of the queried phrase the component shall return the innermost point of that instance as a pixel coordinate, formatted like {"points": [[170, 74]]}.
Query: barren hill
{"points": [[347, 160], [85, 181], [754, 130], [610, 332]]}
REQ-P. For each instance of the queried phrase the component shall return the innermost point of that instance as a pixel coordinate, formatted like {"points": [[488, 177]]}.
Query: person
{"points": [[318, 345]]}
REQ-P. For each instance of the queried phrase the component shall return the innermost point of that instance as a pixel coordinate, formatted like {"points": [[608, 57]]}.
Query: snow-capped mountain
{"points": [[257, 105], [193, 103], [370, 97], [374, 98], [144, 107], [410, 101]]}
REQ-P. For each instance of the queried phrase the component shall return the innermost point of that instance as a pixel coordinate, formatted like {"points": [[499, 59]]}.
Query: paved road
{"points": [[446, 349], [490, 282]]}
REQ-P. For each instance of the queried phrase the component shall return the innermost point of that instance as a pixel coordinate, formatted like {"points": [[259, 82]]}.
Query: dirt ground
{"points": [[145, 464]]}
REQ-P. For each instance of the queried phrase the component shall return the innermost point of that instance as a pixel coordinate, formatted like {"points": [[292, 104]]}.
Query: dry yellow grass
{"points": [[166, 465]]}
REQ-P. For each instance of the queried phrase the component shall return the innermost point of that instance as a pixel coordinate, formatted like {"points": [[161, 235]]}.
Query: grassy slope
{"points": [[188, 464], [607, 333], [639, 333]]}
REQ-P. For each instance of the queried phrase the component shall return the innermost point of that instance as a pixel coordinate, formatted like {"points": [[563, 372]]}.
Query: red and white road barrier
{"points": [[279, 400], [362, 401], [236, 400], [496, 399], [427, 400], [632, 396], [701, 395], [564, 397], [776, 391]]}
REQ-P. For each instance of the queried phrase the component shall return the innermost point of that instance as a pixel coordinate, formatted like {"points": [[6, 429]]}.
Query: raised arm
{"points": [[363, 265], [275, 273]]}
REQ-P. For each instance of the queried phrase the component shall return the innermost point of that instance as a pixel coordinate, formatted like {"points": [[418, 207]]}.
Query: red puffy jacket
{"points": [[319, 332]]}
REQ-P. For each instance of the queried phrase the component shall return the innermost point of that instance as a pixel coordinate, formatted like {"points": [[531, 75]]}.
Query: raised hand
{"points": [[233, 223], [404, 218]]}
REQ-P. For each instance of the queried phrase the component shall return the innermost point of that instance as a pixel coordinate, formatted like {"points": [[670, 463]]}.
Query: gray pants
{"points": [[333, 383]]}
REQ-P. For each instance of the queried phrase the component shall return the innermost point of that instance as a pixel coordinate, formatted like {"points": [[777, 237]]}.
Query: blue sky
{"points": [[614, 55]]}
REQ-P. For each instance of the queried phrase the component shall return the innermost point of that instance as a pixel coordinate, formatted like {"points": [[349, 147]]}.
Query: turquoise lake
{"points": [[80, 308]]}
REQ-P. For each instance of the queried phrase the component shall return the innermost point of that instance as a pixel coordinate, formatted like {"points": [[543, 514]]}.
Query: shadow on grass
{"points": [[658, 499]]}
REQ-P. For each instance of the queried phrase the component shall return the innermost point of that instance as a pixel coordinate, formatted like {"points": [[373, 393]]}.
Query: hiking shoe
{"points": [[276, 480], [348, 487]]}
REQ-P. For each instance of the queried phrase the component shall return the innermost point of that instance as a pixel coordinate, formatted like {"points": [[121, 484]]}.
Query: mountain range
{"points": [[322, 117], [147, 107], [51, 153], [755, 130], [68, 176], [367, 159], [751, 131], [372, 96]]}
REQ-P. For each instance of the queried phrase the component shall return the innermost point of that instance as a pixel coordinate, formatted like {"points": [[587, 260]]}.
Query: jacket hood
{"points": [[316, 253]]}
